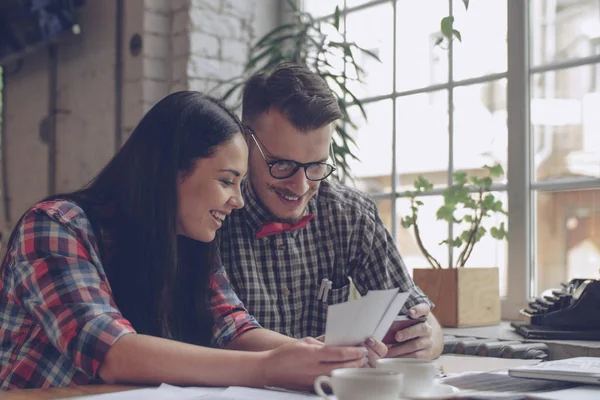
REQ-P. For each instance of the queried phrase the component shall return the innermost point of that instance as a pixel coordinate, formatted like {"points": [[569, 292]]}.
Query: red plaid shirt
{"points": [[57, 315]]}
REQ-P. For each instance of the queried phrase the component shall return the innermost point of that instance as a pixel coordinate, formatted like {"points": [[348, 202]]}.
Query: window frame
{"points": [[521, 187]]}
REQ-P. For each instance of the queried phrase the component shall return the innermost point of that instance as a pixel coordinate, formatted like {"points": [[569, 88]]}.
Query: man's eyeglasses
{"points": [[283, 169]]}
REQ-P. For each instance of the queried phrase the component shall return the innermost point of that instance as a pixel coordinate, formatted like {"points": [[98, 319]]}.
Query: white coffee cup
{"points": [[418, 375], [360, 384]]}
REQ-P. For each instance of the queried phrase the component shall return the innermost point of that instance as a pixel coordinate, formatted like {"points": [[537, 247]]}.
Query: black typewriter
{"points": [[572, 312]]}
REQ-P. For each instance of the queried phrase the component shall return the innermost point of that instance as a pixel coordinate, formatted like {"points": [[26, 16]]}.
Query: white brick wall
{"points": [[220, 35], [187, 44]]}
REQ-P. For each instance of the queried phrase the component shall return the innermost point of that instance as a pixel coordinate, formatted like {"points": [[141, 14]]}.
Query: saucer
{"points": [[439, 391]]}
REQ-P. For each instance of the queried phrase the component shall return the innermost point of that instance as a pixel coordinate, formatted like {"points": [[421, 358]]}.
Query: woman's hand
{"points": [[297, 365], [377, 350]]}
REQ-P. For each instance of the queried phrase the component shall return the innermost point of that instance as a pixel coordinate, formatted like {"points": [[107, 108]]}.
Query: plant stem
{"points": [[466, 253], [430, 259]]}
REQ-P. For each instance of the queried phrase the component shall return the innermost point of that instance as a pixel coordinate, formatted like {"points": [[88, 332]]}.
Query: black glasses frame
{"points": [[298, 165]]}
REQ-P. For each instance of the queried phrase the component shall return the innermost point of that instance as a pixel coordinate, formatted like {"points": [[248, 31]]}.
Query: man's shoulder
{"points": [[336, 197]]}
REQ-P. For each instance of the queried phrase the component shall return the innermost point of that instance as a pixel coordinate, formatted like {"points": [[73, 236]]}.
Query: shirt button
{"points": [[286, 291], [282, 247]]}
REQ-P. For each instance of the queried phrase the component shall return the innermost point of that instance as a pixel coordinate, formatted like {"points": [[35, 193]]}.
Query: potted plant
{"points": [[463, 296]]}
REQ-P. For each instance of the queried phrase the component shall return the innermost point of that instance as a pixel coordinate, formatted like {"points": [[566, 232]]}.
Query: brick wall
{"points": [[213, 38], [186, 44]]}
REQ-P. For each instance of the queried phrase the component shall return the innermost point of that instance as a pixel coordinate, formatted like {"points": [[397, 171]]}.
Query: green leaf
{"points": [[457, 34], [456, 242], [292, 5], [419, 203], [465, 235], [495, 171], [422, 184], [468, 218], [486, 182], [370, 53], [336, 18], [273, 33], [407, 222], [476, 181], [497, 233], [446, 26], [497, 206], [460, 178], [480, 233], [439, 41], [446, 213], [488, 202]]}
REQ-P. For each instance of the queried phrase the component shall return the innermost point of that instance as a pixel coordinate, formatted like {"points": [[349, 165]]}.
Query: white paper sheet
{"points": [[352, 322], [164, 392], [236, 392], [578, 393]]}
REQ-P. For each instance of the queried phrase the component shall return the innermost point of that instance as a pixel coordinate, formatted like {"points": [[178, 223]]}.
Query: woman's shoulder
{"points": [[63, 211]]}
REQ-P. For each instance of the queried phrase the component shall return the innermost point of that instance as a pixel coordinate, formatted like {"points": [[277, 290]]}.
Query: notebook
{"points": [[579, 369]]}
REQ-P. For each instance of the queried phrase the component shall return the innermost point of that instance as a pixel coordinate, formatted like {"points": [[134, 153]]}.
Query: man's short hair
{"points": [[301, 95]]}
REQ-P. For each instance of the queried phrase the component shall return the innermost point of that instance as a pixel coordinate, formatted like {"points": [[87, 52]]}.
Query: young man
{"points": [[330, 232]]}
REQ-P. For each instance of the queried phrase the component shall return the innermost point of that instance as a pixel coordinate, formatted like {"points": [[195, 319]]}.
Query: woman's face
{"points": [[207, 195]]}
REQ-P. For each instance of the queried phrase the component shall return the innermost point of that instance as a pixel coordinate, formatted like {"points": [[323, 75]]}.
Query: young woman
{"points": [[120, 281]]}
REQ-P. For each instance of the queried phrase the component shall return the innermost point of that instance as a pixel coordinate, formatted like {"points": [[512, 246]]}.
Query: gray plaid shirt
{"points": [[278, 277]]}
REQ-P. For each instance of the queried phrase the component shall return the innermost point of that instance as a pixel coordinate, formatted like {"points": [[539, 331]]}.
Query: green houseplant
{"points": [[319, 44], [463, 296]]}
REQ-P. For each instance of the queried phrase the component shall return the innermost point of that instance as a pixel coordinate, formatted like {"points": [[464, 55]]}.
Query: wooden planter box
{"points": [[462, 296]]}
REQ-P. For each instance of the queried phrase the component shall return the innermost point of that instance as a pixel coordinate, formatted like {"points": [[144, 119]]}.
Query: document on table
{"points": [[499, 385], [169, 392], [353, 322], [579, 393]]}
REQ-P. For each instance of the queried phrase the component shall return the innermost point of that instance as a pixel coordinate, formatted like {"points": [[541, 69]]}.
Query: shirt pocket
{"points": [[337, 295]]}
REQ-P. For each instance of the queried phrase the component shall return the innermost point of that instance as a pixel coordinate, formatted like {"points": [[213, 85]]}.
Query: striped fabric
{"points": [[57, 315]]}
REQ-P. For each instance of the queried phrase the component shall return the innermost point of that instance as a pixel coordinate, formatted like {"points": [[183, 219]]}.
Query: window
{"points": [[521, 89]]}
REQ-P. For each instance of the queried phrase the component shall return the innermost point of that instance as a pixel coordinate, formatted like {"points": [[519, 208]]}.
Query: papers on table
{"points": [[169, 392], [579, 393], [353, 322]]}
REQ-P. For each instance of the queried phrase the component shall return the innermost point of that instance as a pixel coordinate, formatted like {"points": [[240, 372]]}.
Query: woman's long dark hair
{"points": [[160, 282]]}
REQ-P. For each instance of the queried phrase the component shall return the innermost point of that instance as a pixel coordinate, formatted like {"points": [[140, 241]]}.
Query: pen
{"points": [[326, 291]]}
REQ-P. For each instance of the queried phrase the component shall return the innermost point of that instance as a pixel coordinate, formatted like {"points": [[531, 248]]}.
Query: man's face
{"points": [[286, 198]]}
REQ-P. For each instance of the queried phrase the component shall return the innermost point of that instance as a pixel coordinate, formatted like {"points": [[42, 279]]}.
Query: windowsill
{"points": [[558, 349]]}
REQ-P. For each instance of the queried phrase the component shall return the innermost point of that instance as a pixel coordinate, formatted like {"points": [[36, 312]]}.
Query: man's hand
{"points": [[424, 340]]}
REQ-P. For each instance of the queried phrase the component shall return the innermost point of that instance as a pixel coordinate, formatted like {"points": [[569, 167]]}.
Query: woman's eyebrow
{"points": [[233, 171]]}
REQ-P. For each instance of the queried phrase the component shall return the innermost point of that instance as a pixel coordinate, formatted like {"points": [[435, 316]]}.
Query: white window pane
{"points": [[374, 141], [420, 62], [422, 138], [564, 29], [567, 237], [432, 232], [372, 29], [320, 8], [566, 123], [488, 252], [483, 30], [480, 131]]}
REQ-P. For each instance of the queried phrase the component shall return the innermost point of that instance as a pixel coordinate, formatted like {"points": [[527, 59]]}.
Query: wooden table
{"points": [[61, 393]]}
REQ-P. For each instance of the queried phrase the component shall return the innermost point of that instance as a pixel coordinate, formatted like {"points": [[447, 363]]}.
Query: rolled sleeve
{"points": [[231, 318], [61, 283]]}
